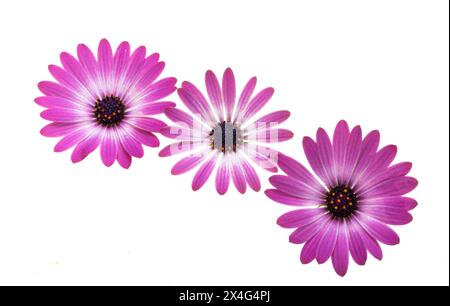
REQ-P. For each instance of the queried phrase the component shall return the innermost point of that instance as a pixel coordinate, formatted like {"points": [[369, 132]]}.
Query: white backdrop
{"points": [[381, 64]]}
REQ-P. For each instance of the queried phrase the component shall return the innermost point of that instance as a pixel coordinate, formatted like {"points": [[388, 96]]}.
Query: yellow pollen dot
{"points": [[345, 190], [348, 199], [339, 201], [331, 202], [351, 204], [341, 195], [344, 207], [335, 207], [334, 193]]}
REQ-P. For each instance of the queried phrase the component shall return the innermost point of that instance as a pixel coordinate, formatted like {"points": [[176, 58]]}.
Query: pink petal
{"points": [[131, 146], [296, 188], [229, 92], [54, 89], [187, 163], [204, 172], [327, 243], [195, 101], [275, 117], [64, 115], [300, 217], [71, 139], [87, 61], [296, 170], [352, 152], [72, 66], [369, 242], [105, 59], [244, 98], [57, 102], [312, 154], [340, 139], [121, 58], [146, 123], [178, 116], [57, 129], [257, 103], [223, 177], [369, 148], [325, 150], [340, 257], [308, 231], [146, 138], [396, 202], [378, 230], [309, 250], [394, 187], [154, 108], [178, 147], [123, 158], [356, 244], [284, 198], [86, 147], [108, 148], [214, 93], [273, 136], [250, 175], [238, 176]]}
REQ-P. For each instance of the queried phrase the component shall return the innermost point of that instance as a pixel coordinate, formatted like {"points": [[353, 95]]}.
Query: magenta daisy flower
{"points": [[349, 211], [221, 132], [106, 102]]}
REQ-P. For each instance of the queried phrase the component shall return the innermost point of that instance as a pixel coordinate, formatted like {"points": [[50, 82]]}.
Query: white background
{"points": [[381, 64]]}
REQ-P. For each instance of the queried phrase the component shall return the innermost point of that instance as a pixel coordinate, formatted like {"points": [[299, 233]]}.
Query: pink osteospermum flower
{"points": [[220, 132], [348, 212], [106, 102]]}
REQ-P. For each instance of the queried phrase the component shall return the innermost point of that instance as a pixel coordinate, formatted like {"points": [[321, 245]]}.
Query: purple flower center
{"points": [[109, 111], [226, 137], [341, 201]]}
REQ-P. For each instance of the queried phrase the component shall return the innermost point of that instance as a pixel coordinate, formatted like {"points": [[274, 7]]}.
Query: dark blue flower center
{"points": [[341, 201], [226, 137], [109, 111]]}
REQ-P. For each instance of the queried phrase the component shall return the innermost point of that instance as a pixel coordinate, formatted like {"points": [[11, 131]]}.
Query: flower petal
{"points": [[246, 94], [178, 147], [356, 244], [284, 198], [300, 217], [325, 150], [378, 230], [223, 176], [237, 174], [313, 157], [71, 139], [251, 176], [327, 243], [340, 257], [187, 163], [123, 158], [307, 232], [64, 115], [204, 172], [257, 103], [108, 148], [340, 139], [228, 92], [215, 94], [296, 170], [393, 187], [146, 123], [86, 147], [296, 188]]}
